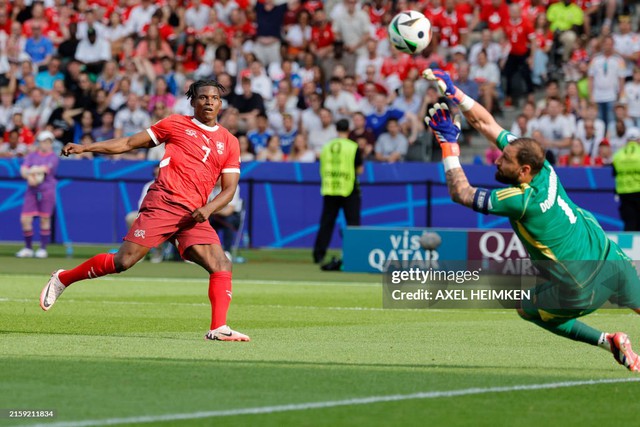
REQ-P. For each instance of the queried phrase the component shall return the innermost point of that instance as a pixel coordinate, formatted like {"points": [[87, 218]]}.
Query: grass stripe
{"points": [[336, 403]]}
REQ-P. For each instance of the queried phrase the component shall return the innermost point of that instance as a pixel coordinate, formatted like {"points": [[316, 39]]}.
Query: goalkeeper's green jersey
{"points": [[549, 224]]}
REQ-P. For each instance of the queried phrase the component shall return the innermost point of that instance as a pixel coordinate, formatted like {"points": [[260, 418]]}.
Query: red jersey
{"points": [[322, 36], [400, 66], [195, 156], [451, 26], [495, 18], [519, 35]]}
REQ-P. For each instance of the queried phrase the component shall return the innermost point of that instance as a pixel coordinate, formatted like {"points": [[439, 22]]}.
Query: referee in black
{"points": [[340, 164]]}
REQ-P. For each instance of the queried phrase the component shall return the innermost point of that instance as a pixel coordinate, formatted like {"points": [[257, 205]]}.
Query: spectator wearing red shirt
{"points": [[377, 10], [492, 14], [395, 68], [520, 34], [322, 37], [451, 26], [576, 156], [432, 13]]}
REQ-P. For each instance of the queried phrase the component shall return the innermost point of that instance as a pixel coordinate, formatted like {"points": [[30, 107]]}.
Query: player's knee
{"points": [[221, 264], [123, 262]]}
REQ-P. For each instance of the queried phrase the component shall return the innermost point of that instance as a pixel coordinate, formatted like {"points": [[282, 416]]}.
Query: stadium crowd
{"points": [[89, 70]]}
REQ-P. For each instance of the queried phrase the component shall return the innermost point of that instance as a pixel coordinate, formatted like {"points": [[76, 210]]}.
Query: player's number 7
{"points": [[207, 150]]}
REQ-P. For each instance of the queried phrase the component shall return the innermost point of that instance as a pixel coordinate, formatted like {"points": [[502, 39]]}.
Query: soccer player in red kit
{"points": [[198, 152]]}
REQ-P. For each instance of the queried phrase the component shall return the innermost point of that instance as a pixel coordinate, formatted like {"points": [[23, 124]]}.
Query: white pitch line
{"points": [[204, 279], [333, 403]]}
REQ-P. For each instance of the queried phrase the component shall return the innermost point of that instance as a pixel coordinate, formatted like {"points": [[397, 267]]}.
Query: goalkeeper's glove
{"points": [[448, 89], [446, 130]]}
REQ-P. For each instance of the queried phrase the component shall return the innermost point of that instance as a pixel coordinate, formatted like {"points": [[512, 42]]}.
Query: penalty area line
{"points": [[335, 403]]}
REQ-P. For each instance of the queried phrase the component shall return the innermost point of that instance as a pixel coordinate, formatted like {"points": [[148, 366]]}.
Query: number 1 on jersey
{"points": [[207, 150]]}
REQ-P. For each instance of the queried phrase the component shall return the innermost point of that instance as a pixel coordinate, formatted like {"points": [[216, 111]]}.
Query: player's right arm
{"points": [[476, 114], [112, 146]]}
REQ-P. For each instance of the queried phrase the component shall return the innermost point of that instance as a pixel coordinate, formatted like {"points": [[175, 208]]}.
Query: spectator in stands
{"points": [[39, 48], [566, 19], [7, 107], [93, 52], [246, 150], [161, 95], [326, 133], [298, 35], [620, 113], [391, 145], [223, 9], [492, 15], [520, 35], [617, 136], [90, 21], [605, 155], [322, 36], [26, 135], [108, 78], [606, 79], [84, 124], [626, 43], [15, 44], [288, 133], [543, 40], [408, 100], [190, 52], [260, 135], [105, 130], [556, 129], [382, 113], [310, 117], [360, 131], [67, 48], [46, 78], [140, 16], [39, 170], [269, 19], [84, 93], [341, 103], [37, 113], [590, 138], [371, 59], [153, 48], [353, 28], [115, 32], [451, 26], [86, 139], [491, 154], [300, 151], [132, 119], [492, 50], [62, 119], [487, 75], [197, 15], [249, 104], [576, 156], [632, 95], [272, 152], [12, 147]]}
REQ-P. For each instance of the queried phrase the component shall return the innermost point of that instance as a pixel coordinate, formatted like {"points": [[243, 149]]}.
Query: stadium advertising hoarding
{"points": [[371, 249]]}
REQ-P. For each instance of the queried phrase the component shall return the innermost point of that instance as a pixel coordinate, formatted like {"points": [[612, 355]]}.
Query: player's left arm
{"points": [[447, 131]]}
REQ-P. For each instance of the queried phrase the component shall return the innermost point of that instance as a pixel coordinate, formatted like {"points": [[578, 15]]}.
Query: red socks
{"points": [[220, 297], [99, 265]]}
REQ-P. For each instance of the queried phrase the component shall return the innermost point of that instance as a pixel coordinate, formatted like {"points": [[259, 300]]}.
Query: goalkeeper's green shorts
{"points": [[616, 282]]}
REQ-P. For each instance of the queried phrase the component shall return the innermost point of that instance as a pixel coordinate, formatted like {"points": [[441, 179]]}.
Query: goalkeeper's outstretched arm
{"points": [[476, 114], [447, 131]]}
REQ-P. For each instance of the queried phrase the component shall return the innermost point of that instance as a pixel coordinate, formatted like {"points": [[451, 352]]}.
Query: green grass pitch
{"points": [[128, 349]]}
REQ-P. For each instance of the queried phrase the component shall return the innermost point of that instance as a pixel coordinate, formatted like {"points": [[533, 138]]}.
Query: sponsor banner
{"points": [[371, 249]]}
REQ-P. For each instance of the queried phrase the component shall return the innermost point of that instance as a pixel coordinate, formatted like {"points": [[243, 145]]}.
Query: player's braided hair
{"points": [[193, 88]]}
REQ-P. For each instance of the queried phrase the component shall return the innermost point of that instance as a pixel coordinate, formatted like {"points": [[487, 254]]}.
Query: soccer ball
{"points": [[430, 241], [410, 31]]}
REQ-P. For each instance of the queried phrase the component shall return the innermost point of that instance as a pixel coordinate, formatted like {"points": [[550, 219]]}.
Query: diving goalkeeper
{"points": [[583, 267]]}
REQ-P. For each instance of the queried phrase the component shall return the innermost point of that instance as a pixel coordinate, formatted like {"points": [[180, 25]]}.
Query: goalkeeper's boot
{"points": [[621, 349], [225, 333], [51, 291]]}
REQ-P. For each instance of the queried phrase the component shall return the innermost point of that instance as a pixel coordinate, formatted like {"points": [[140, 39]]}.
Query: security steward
{"points": [[340, 163], [626, 168]]}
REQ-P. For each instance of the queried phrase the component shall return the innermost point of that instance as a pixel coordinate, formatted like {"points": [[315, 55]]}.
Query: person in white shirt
{"points": [[627, 44], [197, 15], [632, 96], [606, 79], [141, 16], [93, 52], [326, 133], [556, 129], [341, 103]]}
